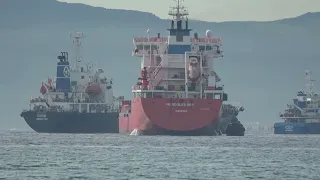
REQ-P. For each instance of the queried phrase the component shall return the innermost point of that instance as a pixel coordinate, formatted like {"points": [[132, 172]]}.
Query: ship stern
{"points": [[185, 117]]}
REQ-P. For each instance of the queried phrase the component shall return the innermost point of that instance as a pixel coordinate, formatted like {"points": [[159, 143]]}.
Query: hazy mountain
{"points": [[263, 66]]}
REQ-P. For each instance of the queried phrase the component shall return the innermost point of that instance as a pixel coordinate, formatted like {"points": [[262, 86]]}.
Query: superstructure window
{"points": [[148, 95], [140, 47], [217, 96], [209, 95]]}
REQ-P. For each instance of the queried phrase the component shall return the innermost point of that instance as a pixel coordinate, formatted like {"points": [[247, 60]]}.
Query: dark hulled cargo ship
{"points": [[79, 100]]}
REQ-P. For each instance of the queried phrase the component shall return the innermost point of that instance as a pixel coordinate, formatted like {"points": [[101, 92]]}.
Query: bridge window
{"points": [[140, 47], [146, 47], [213, 96], [217, 96], [203, 48]]}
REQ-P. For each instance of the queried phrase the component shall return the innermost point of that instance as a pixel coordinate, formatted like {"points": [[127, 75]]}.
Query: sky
{"points": [[217, 10]]}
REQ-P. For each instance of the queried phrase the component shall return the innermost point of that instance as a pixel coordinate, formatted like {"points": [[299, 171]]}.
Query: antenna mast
{"points": [[309, 84], [179, 11], [77, 36]]}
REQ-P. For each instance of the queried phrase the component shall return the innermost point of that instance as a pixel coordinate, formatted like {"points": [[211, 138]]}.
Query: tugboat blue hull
{"points": [[296, 128]]}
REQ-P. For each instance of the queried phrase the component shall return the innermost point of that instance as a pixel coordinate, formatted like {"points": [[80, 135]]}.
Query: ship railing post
{"points": [[150, 50], [201, 75], [186, 74]]}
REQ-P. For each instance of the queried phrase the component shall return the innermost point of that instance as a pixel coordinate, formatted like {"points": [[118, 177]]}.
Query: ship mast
{"points": [[309, 84], [77, 36], [179, 11]]}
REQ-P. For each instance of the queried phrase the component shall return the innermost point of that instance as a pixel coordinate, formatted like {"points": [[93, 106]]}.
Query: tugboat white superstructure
{"points": [[303, 116], [79, 100]]}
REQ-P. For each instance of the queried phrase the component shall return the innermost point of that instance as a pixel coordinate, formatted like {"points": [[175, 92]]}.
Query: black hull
{"points": [[225, 121], [72, 122]]}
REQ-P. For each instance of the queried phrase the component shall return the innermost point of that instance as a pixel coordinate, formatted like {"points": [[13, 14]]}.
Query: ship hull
{"points": [[296, 128], [209, 130], [225, 121], [72, 122], [180, 117]]}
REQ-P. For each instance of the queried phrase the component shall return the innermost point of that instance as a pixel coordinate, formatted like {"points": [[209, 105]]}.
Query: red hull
{"points": [[161, 116]]}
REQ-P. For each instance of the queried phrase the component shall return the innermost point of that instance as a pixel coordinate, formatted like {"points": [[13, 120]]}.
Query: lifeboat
{"points": [[194, 70], [93, 89]]}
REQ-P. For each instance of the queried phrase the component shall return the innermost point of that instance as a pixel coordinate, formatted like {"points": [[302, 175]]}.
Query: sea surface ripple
{"points": [[30, 155]]}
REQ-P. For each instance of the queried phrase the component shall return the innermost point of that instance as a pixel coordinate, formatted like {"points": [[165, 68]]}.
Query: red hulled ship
{"points": [[177, 92]]}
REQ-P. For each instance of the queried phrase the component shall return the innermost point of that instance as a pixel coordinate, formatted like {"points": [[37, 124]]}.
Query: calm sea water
{"points": [[29, 155]]}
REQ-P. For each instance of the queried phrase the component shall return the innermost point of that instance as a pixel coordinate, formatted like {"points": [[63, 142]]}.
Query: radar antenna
{"points": [[179, 11], [77, 36]]}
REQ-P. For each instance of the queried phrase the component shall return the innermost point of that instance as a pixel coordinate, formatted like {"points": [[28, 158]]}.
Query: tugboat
{"points": [[235, 128], [178, 92], [79, 100], [303, 116], [229, 123]]}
